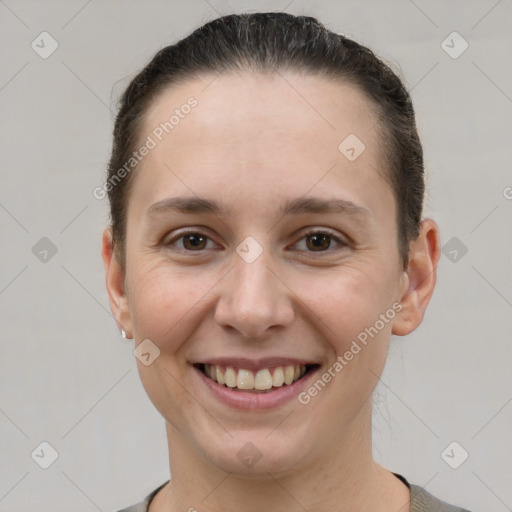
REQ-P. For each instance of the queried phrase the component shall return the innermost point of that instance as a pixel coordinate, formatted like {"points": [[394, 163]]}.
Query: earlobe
{"points": [[115, 284], [419, 279]]}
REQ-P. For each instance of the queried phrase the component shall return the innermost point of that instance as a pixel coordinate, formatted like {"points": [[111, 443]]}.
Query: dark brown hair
{"points": [[264, 42]]}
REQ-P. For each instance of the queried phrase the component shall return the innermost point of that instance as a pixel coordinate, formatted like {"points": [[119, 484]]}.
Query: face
{"points": [[254, 244]]}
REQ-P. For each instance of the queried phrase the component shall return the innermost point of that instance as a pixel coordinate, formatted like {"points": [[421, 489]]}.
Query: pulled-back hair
{"points": [[265, 42]]}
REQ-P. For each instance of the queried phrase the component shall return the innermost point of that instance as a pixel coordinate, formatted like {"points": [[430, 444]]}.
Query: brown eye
{"points": [[195, 241], [189, 241], [318, 241]]}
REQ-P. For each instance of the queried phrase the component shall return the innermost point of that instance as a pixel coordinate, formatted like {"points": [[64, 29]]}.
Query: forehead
{"points": [[288, 104], [260, 133]]}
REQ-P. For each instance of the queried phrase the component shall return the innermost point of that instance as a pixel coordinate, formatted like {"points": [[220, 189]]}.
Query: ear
{"points": [[114, 280], [419, 278]]}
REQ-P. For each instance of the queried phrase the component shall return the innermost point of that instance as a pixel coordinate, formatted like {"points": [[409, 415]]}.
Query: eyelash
{"points": [[333, 237]]}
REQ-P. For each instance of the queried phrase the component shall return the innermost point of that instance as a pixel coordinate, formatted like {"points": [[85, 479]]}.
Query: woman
{"points": [[266, 188]]}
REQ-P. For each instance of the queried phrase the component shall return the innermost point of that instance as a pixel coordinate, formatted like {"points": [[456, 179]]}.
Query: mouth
{"points": [[256, 381]]}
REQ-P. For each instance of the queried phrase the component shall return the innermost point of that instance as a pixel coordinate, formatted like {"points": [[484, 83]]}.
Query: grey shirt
{"points": [[421, 500]]}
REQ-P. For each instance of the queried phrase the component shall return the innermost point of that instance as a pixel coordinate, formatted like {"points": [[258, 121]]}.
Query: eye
{"points": [[315, 241], [193, 241], [320, 241]]}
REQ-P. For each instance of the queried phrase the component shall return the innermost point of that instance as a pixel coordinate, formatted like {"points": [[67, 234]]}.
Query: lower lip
{"points": [[256, 401]]}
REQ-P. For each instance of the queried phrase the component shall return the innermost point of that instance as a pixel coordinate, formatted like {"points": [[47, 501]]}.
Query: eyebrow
{"points": [[291, 207]]}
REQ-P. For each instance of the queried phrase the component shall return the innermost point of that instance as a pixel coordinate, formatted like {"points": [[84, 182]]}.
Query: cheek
{"points": [[165, 303], [166, 307], [347, 300]]}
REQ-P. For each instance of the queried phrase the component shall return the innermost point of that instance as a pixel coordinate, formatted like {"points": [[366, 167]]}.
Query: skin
{"points": [[253, 142]]}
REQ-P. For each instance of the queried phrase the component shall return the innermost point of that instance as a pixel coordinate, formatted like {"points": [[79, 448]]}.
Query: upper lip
{"points": [[256, 364]]}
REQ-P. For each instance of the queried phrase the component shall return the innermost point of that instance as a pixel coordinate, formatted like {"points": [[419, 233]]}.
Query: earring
{"points": [[123, 334]]}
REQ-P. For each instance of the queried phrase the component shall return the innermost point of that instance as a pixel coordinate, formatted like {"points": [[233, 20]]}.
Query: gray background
{"points": [[67, 377]]}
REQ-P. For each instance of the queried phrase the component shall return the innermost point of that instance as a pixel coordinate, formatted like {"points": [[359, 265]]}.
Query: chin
{"points": [[253, 455]]}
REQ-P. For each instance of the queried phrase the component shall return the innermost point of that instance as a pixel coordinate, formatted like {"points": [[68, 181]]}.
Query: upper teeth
{"points": [[261, 379]]}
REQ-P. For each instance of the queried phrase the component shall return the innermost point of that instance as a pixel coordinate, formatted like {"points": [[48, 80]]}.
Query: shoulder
{"points": [[143, 505], [423, 501]]}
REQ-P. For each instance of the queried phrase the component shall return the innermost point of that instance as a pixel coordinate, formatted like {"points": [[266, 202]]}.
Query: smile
{"points": [[263, 380]]}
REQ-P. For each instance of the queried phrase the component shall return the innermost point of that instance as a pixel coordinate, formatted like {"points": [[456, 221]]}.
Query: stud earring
{"points": [[123, 334]]}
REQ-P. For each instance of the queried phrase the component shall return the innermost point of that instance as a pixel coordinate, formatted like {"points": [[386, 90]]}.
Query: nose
{"points": [[254, 298]]}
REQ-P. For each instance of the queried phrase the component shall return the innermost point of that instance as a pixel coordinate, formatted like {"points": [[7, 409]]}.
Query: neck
{"points": [[343, 477]]}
